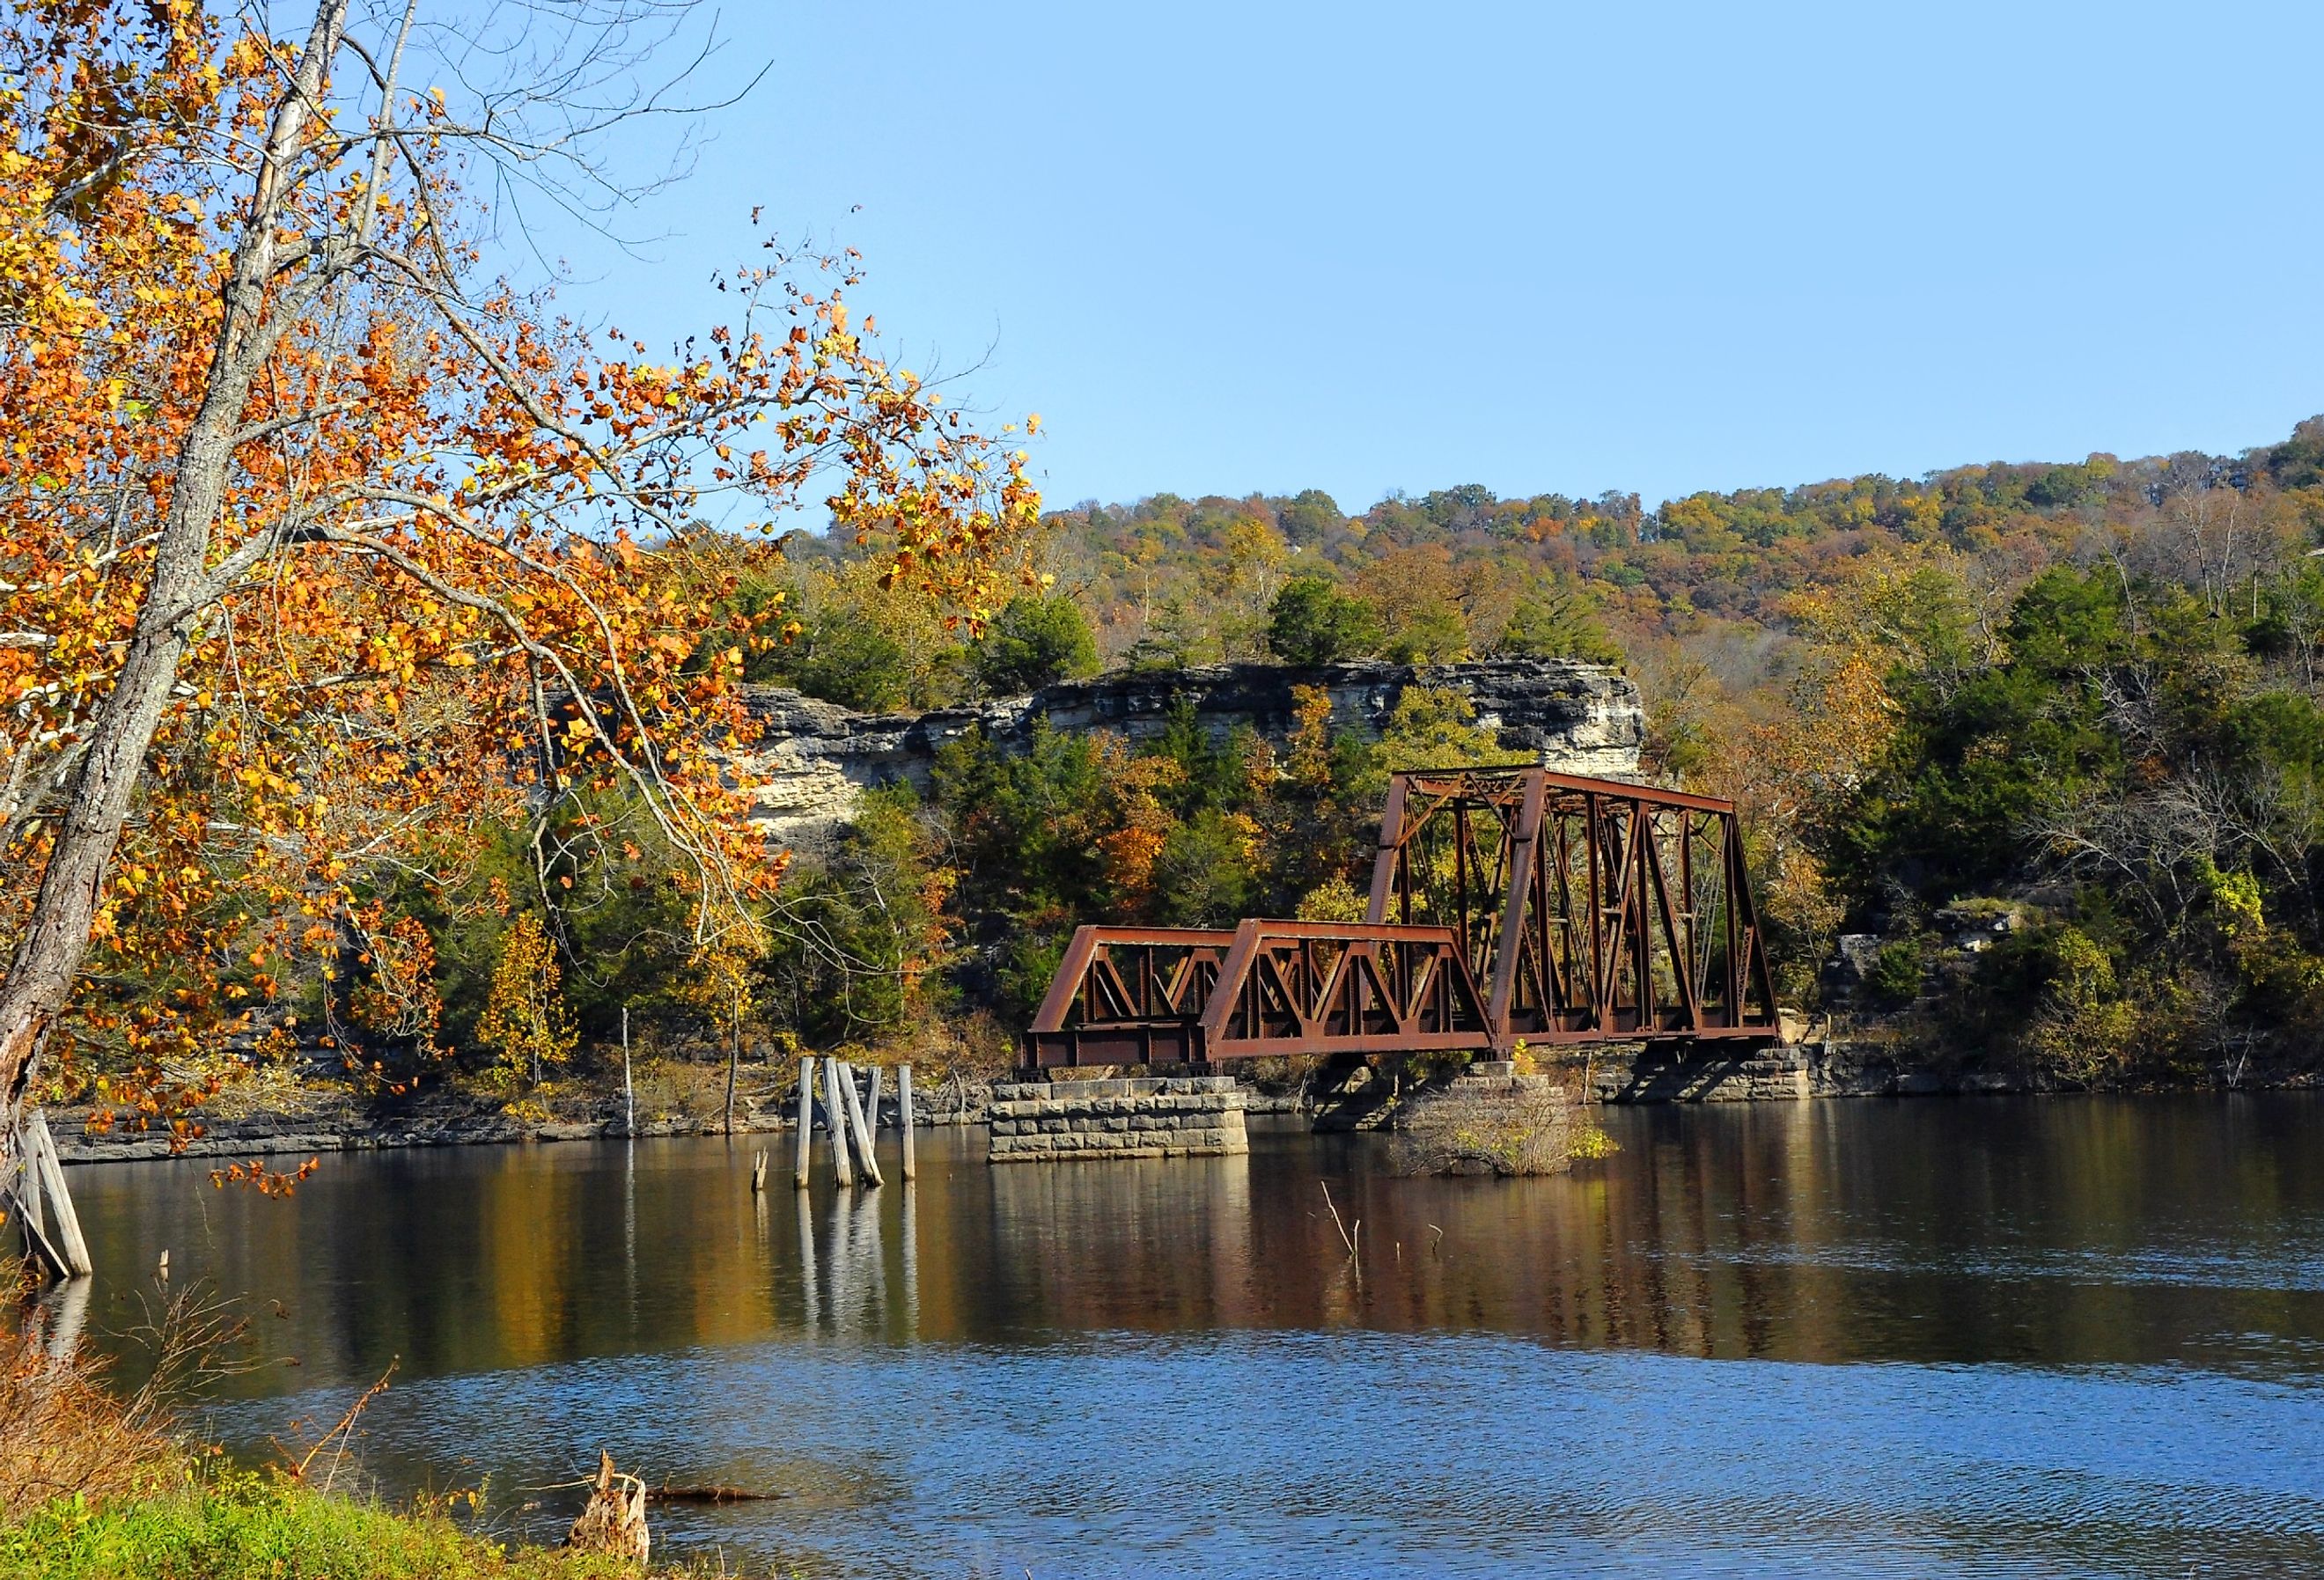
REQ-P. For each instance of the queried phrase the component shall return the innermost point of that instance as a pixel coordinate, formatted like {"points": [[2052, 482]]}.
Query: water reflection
{"points": [[2061, 1233], [2102, 1319]]}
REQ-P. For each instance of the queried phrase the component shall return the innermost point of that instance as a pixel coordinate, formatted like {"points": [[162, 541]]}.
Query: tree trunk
{"points": [[47, 957]]}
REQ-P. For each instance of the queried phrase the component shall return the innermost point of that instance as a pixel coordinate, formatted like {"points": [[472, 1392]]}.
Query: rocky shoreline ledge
{"points": [[338, 1123], [316, 1122]]}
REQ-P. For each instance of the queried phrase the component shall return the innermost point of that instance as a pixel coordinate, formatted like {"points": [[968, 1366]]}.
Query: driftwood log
{"points": [[614, 1520], [666, 1493]]}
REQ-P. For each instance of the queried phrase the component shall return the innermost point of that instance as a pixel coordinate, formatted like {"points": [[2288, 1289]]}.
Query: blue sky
{"points": [[1656, 246]]}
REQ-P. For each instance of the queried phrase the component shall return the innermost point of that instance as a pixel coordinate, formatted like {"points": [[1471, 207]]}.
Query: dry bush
{"points": [[673, 1089], [62, 1431], [1508, 1128], [1296, 1073], [975, 1047]]}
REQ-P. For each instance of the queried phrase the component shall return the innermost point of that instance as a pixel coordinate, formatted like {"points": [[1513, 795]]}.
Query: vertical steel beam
{"points": [[1682, 954], [1523, 839], [1599, 995]]}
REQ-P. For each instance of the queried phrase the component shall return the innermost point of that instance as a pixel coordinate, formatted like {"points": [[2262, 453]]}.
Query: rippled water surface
{"points": [[2005, 1337]]}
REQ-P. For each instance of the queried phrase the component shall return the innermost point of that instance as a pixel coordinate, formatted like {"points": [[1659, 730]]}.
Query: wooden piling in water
{"points": [[52, 1175], [40, 1193], [759, 1175], [38, 1249], [871, 1106], [904, 1113], [840, 1169], [805, 1122], [862, 1132]]}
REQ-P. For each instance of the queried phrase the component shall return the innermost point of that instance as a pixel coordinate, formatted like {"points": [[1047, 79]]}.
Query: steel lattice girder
{"points": [[1527, 905]]}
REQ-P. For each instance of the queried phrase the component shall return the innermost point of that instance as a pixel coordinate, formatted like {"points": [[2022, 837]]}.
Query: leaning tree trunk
{"points": [[48, 957]]}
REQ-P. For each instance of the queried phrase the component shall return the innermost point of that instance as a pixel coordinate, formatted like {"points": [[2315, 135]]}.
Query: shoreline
{"points": [[318, 1122]]}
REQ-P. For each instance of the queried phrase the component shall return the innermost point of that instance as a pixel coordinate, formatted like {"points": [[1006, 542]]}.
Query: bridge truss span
{"points": [[1507, 905]]}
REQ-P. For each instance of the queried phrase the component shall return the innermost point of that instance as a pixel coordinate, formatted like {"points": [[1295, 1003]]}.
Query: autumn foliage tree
{"points": [[525, 1019], [321, 539]]}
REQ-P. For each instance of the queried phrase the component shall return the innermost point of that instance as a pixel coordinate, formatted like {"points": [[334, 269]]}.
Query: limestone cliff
{"points": [[816, 757]]}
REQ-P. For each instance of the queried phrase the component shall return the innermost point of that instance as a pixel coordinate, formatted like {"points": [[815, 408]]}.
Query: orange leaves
{"points": [[395, 996], [1129, 854], [433, 548], [255, 1176]]}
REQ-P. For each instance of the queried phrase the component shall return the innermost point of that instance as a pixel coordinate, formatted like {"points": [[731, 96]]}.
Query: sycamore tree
{"points": [[321, 539]]}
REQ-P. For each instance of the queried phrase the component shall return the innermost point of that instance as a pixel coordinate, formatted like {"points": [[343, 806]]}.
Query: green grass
{"points": [[244, 1527]]}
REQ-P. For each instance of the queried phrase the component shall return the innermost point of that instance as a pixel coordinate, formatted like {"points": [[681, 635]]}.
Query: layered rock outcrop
{"points": [[815, 758]]}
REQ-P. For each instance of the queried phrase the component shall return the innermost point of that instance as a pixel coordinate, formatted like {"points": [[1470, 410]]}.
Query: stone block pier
{"points": [[1176, 1116]]}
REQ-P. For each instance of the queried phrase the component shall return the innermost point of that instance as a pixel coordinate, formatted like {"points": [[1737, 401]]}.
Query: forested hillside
{"points": [[2052, 731], [2070, 708], [2078, 700]]}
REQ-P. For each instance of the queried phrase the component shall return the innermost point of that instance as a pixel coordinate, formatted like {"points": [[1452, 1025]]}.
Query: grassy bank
{"points": [[246, 1526], [96, 1485]]}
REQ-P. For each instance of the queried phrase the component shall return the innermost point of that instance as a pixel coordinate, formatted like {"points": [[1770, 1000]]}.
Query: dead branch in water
{"points": [[343, 1433]]}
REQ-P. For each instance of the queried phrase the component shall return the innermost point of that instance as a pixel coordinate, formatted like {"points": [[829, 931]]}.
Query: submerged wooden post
{"points": [[806, 1122], [840, 1169], [862, 1132], [904, 1113]]}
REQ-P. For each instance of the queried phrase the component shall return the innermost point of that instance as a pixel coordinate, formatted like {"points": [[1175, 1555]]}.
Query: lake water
{"points": [[1973, 1337]]}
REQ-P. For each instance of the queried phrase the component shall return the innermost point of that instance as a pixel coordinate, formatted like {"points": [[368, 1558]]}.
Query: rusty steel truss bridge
{"points": [[1508, 905]]}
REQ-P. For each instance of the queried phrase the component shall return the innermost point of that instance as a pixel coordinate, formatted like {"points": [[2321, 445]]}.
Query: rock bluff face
{"points": [[816, 758]]}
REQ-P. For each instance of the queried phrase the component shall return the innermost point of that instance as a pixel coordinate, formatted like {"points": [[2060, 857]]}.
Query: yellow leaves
{"points": [[525, 1019], [351, 704]]}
